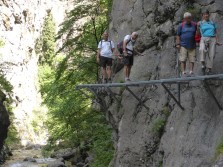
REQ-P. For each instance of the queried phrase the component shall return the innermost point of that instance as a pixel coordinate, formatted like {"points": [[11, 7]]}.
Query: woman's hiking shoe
{"points": [[109, 81], [191, 74], [210, 73]]}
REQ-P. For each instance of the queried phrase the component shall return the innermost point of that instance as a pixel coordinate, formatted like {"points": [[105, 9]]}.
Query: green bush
{"points": [[158, 126], [219, 149], [195, 11]]}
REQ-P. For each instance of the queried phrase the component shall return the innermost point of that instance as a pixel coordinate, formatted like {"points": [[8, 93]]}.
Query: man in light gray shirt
{"points": [[128, 50]]}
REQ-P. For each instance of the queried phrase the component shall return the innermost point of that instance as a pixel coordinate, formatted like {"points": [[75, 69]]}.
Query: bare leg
{"points": [[191, 67], [104, 73], [129, 70], [109, 72], [183, 67], [126, 71]]}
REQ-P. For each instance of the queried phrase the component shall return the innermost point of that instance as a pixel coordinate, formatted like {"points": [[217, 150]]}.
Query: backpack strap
{"points": [[192, 23], [111, 45], [130, 40], [106, 41], [182, 25], [101, 43]]}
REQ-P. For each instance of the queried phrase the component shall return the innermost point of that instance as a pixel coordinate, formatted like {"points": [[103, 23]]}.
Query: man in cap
{"points": [[186, 43]]}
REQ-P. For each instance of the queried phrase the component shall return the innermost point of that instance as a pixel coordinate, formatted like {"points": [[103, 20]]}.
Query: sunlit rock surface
{"points": [[20, 25]]}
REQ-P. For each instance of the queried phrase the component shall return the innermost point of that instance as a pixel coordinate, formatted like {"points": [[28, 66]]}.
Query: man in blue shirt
{"points": [[186, 43]]}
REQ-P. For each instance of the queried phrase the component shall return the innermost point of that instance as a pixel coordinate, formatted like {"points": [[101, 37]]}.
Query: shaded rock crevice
{"points": [[4, 124]]}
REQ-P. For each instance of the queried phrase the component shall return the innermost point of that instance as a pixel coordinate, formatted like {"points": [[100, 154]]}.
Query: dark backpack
{"points": [[120, 46]]}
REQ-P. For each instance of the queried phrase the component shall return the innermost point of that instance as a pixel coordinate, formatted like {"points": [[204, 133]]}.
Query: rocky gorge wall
{"points": [[164, 135], [21, 23]]}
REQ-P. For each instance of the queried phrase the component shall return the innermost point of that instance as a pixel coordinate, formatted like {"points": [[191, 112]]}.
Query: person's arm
{"points": [[177, 41], [178, 37], [198, 28], [98, 53], [124, 46], [216, 36], [114, 51], [138, 53]]}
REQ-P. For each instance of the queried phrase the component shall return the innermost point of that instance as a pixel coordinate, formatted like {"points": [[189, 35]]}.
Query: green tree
{"points": [[71, 118], [46, 45]]}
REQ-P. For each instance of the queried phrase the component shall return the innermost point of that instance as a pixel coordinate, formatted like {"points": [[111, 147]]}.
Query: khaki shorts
{"points": [[187, 53]]}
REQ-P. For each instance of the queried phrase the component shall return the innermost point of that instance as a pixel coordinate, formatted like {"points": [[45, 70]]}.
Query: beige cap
{"points": [[187, 14]]}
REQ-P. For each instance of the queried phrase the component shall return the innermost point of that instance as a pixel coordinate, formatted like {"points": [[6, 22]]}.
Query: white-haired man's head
{"points": [[187, 17], [135, 35], [187, 14]]}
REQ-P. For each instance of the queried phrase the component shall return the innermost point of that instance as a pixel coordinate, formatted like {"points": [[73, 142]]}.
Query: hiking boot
{"points": [[191, 74], [127, 80], [109, 80], [184, 75], [104, 81], [210, 73]]}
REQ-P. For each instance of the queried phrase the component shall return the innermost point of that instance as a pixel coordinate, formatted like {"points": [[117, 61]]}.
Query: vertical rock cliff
{"points": [[20, 25], [164, 135]]}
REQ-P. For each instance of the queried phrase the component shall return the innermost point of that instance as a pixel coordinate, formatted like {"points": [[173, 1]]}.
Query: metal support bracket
{"points": [[172, 96], [113, 95], [95, 93], [140, 101], [212, 94], [85, 94]]}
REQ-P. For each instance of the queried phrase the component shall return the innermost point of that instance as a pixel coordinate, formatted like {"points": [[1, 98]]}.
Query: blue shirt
{"points": [[208, 28], [187, 34]]}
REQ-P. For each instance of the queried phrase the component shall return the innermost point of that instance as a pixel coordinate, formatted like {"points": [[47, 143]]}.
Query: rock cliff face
{"points": [[20, 25], [164, 135]]}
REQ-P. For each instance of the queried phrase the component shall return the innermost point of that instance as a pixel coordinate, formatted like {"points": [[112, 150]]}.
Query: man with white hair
{"points": [[186, 43], [128, 50]]}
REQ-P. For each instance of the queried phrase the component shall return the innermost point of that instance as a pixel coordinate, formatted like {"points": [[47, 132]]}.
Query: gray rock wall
{"points": [[188, 138]]}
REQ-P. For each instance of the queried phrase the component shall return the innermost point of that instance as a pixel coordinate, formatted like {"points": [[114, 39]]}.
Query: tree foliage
{"points": [[71, 118], [45, 45]]}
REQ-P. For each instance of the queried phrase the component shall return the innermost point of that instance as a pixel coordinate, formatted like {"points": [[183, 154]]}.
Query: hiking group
{"points": [[189, 36]]}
